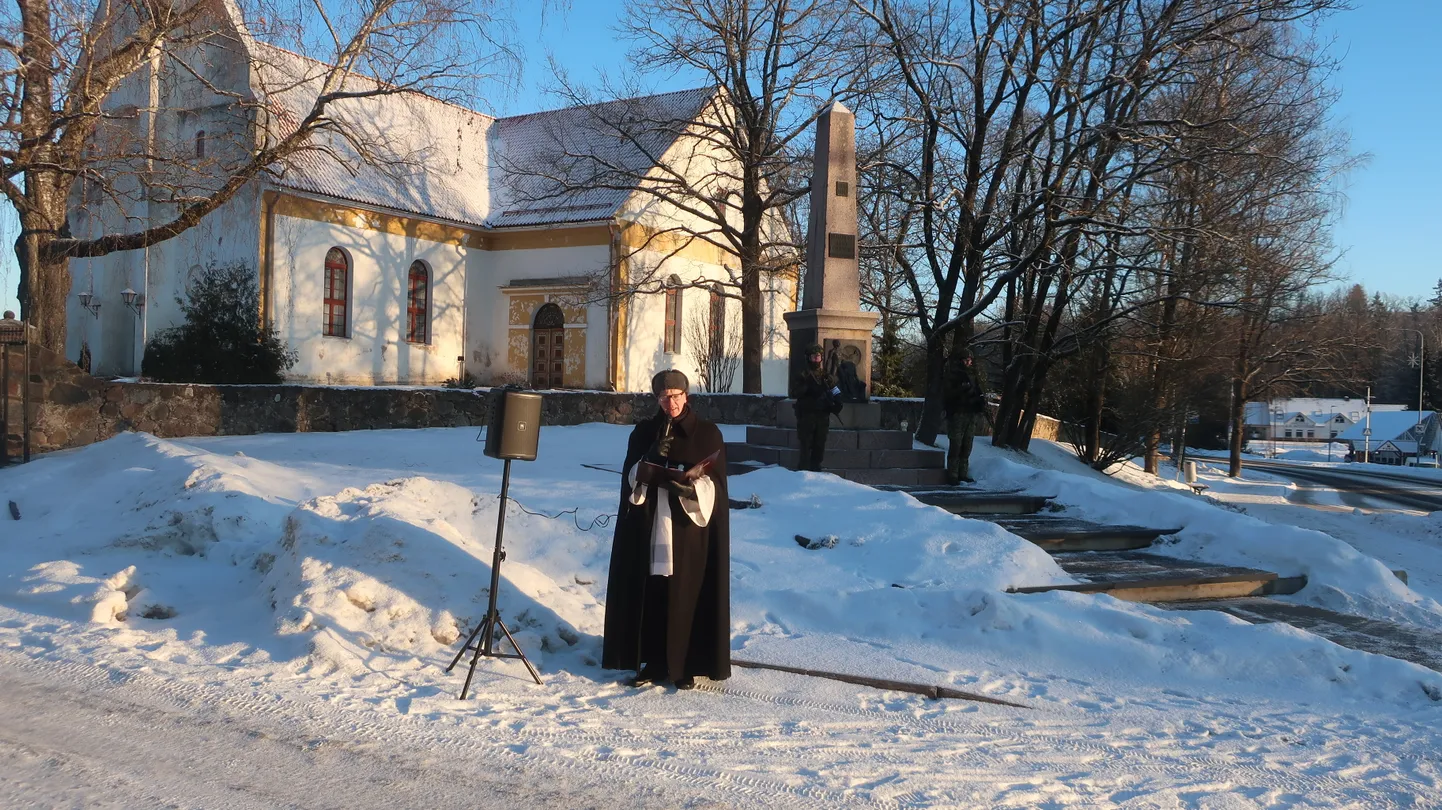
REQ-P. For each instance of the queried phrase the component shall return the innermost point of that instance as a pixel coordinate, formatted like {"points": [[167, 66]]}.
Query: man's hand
{"points": [[682, 488], [663, 447]]}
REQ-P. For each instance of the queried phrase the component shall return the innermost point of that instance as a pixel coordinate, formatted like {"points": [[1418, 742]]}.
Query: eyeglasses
{"points": [[670, 397]]}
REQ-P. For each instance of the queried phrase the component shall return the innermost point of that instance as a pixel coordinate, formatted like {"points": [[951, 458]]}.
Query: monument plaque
{"points": [[831, 300]]}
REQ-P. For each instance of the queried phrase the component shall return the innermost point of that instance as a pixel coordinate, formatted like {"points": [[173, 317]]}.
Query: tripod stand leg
{"points": [[487, 628], [471, 671], [466, 646], [519, 654]]}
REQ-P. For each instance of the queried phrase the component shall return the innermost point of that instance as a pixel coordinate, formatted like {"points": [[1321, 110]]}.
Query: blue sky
{"points": [[1391, 102], [1391, 85]]}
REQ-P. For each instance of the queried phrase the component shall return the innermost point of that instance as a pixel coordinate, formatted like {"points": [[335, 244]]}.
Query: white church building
{"points": [[428, 264]]}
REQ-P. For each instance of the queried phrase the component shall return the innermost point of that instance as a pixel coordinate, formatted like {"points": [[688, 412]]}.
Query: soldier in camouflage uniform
{"points": [[964, 400], [817, 398]]}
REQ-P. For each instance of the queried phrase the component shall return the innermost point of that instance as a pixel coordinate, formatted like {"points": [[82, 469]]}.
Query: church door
{"points": [[548, 347]]}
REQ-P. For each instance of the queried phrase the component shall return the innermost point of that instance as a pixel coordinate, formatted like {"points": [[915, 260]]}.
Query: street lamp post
{"points": [[1276, 416], [1367, 431], [1421, 365], [1331, 414]]}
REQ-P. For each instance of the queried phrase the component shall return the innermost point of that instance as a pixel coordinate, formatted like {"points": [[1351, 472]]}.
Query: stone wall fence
{"points": [[71, 408]]}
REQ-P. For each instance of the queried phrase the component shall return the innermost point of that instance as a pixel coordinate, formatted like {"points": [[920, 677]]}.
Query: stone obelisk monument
{"points": [[830, 311]]}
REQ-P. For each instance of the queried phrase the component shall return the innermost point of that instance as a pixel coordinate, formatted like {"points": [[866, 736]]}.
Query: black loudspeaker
{"points": [[515, 428]]}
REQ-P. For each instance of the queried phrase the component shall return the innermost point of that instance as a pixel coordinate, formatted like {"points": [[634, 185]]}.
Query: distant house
{"points": [[1393, 453], [1395, 438], [1305, 419]]}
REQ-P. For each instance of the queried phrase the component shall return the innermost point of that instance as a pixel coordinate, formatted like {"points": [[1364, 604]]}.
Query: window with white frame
{"points": [[671, 341], [337, 292], [418, 297]]}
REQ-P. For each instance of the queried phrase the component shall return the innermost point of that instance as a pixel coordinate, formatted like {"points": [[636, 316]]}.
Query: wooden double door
{"points": [[548, 347]]}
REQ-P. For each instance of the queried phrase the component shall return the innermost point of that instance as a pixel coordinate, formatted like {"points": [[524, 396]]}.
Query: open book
{"points": [[649, 473]]}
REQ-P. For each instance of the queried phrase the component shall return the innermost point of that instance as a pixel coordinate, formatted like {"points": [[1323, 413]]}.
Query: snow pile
{"points": [[370, 553], [403, 568], [1338, 576]]}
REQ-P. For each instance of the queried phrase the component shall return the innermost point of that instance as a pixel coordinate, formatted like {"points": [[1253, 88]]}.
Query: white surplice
{"points": [[697, 509]]}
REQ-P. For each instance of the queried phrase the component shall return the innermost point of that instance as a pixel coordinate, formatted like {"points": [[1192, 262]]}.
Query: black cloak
{"points": [[697, 624]]}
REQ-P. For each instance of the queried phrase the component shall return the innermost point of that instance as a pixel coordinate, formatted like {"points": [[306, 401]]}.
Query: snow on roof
{"points": [[1319, 409], [542, 156], [415, 153], [1386, 425], [408, 151]]}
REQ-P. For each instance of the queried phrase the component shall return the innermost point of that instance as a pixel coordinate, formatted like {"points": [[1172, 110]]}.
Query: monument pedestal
{"points": [[853, 416], [856, 449], [844, 334]]}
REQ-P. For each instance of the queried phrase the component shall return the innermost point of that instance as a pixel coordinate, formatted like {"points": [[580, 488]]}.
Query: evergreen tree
{"points": [[221, 340]]}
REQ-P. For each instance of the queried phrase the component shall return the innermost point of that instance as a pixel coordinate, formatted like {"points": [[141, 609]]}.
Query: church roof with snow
{"points": [[579, 164], [413, 153]]}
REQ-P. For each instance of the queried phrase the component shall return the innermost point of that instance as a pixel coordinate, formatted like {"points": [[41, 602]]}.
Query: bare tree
{"points": [[1038, 131], [715, 344], [731, 173], [885, 225], [88, 89]]}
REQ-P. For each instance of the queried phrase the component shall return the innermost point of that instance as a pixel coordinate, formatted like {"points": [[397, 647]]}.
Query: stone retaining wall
{"points": [[71, 408]]}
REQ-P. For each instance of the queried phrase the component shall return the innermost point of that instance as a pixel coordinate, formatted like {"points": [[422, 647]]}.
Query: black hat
{"points": [[669, 380]]}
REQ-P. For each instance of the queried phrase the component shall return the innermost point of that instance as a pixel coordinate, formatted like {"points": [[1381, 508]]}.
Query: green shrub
{"points": [[466, 382], [221, 340]]}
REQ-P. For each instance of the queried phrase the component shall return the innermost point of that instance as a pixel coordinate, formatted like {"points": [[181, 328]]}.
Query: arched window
{"points": [[418, 301], [200, 143], [337, 292], [548, 347], [671, 338], [718, 319]]}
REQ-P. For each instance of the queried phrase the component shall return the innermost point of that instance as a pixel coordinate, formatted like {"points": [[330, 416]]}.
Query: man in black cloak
{"points": [[668, 596]]}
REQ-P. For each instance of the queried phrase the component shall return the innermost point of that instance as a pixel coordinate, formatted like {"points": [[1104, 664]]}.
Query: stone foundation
{"points": [[70, 408]]}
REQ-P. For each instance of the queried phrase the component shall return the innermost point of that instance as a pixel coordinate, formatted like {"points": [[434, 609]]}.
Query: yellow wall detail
{"points": [[354, 217], [523, 309], [518, 351], [522, 313], [575, 313], [636, 236], [618, 337], [574, 373], [554, 237]]}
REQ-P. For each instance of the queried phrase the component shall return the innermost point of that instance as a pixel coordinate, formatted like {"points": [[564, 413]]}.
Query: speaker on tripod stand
{"points": [[514, 432]]}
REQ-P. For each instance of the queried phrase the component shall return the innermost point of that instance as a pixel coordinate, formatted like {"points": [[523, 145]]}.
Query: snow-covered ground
{"points": [[1402, 539], [1294, 451], [265, 620]]}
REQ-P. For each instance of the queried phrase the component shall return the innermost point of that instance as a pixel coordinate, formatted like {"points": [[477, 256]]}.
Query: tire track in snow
{"points": [[992, 751], [458, 751]]}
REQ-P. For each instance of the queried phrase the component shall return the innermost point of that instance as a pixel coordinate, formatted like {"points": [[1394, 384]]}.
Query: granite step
{"points": [[838, 459], [905, 476], [836, 438], [1056, 533], [857, 415], [1406, 642], [899, 476], [960, 501], [1142, 577]]}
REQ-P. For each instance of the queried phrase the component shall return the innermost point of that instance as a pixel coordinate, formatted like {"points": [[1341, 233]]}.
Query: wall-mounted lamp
{"points": [[133, 299], [85, 298]]}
